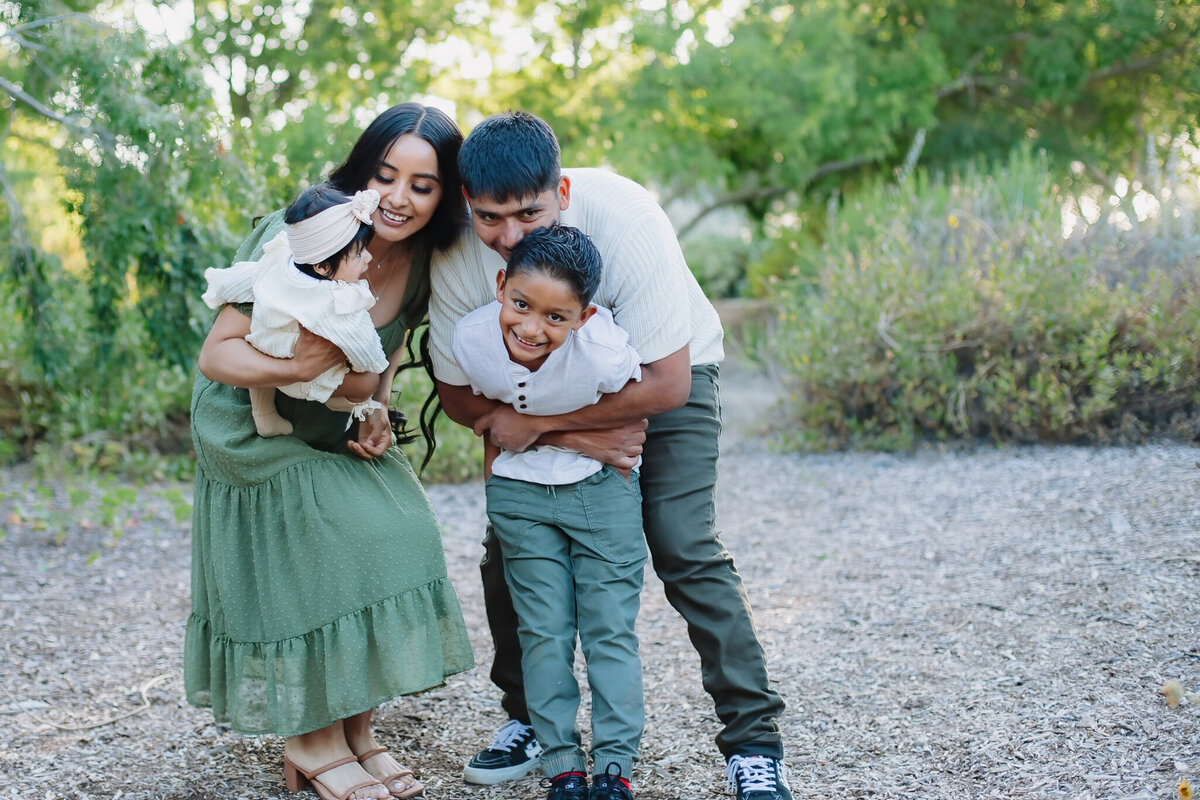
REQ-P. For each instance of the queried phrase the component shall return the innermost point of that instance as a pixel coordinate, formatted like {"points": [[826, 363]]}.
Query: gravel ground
{"points": [[998, 623]]}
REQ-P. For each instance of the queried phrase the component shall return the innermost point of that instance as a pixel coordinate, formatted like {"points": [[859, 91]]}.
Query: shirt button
{"points": [[524, 406], [521, 384], [521, 397]]}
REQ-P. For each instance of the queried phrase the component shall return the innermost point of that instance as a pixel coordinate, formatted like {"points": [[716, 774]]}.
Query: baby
{"points": [[310, 275]]}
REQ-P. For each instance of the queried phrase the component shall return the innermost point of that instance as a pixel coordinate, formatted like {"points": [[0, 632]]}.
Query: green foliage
{"points": [[459, 453], [101, 344], [798, 99], [132, 123], [120, 417], [720, 263], [130, 163], [944, 309], [810, 88]]}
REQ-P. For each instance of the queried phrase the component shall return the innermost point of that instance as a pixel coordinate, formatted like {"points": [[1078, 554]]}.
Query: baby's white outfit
{"points": [[285, 298]]}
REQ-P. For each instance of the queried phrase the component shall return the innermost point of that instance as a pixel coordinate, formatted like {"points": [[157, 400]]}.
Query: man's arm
{"points": [[462, 405], [665, 386]]}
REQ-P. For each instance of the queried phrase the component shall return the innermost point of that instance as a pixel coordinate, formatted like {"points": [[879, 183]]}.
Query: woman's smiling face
{"points": [[409, 187], [537, 314]]}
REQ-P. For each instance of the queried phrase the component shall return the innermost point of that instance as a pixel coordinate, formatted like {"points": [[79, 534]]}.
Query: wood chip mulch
{"points": [[995, 623]]}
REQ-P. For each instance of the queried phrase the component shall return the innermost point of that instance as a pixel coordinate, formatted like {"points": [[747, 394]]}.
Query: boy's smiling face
{"points": [[537, 315]]}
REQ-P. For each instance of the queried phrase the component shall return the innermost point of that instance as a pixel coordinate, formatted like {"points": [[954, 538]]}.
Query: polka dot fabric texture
{"points": [[319, 585]]}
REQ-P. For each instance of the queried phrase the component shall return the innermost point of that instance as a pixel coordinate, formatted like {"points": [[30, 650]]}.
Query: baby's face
{"points": [[353, 266]]}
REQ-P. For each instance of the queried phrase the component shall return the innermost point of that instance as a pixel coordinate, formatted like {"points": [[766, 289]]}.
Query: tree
{"points": [[800, 96], [132, 126]]}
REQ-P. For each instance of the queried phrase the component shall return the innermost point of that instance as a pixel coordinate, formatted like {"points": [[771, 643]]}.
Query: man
{"points": [[514, 184]]}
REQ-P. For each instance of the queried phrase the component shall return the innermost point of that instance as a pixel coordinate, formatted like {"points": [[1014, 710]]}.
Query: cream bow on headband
{"points": [[315, 239]]}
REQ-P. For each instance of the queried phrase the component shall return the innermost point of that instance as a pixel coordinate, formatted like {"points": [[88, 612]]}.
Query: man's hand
{"points": [[620, 447], [509, 430]]}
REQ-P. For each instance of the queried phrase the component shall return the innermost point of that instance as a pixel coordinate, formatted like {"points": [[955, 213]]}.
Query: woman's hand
{"points": [[374, 435], [314, 355], [228, 358]]}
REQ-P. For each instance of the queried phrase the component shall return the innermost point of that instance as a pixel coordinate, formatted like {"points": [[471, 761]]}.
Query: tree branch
{"points": [[769, 192], [42, 23], [1119, 70], [72, 122], [970, 82]]}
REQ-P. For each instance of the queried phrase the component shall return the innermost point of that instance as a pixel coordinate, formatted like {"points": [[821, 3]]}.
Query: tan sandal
{"points": [[296, 779], [415, 789]]}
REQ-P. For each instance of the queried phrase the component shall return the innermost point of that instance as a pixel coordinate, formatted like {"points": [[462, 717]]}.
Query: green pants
{"points": [[678, 478], [573, 559]]}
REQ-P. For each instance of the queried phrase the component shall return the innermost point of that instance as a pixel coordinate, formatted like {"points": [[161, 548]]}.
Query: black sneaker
{"points": [[568, 786], [513, 753], [609, 786], [758, 778]]}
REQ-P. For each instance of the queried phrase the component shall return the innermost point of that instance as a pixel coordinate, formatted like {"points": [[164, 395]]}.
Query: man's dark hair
{"points": [[560, 252], [510, 155]]}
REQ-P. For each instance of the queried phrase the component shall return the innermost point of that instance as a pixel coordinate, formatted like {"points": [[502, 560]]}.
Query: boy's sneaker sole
{"points": [[484, 774], [513, 753]]}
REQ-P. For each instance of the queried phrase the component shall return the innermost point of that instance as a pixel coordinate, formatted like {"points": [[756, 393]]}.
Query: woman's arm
{"points": [[375, 432], [228, 358]]}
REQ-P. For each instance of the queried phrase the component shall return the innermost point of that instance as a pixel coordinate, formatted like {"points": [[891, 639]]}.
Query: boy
{"points": [[570, 527]]}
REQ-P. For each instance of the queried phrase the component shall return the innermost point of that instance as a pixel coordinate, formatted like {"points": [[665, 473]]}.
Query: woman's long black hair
{"points": [[432, 406], [360, 166]]}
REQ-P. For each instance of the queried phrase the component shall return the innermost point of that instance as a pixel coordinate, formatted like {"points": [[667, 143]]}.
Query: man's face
{"points": [[501, 225]]}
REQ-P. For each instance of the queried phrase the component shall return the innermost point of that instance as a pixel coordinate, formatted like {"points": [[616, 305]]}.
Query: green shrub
{"points": [[956, 309], [67, 407], [720, 263], [69, 410], [459, 453]]}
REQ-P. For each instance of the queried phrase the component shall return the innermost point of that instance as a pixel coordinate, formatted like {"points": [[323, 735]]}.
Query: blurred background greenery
{"points": [[968, 219]]}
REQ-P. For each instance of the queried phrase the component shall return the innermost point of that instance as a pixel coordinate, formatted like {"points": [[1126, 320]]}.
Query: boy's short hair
{"points": [[560, 252], [508, 155]]}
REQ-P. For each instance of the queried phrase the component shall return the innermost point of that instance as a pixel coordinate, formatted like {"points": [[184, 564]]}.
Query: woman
{"points": [[319, 587]]}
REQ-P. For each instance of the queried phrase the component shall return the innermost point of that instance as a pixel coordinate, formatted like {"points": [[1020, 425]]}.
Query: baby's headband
{"points": [[317, 238]]}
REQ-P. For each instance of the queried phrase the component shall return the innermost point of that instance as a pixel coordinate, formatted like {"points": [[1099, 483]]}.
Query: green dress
{"points": [[319, 586]]}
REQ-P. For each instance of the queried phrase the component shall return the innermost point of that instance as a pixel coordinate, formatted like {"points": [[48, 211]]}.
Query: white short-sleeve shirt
{"points": [[645, 281], [594, 360]]}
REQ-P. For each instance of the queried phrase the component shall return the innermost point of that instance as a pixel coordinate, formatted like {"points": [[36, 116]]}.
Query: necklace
{"points": [[386, 281], [398, 261]]}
